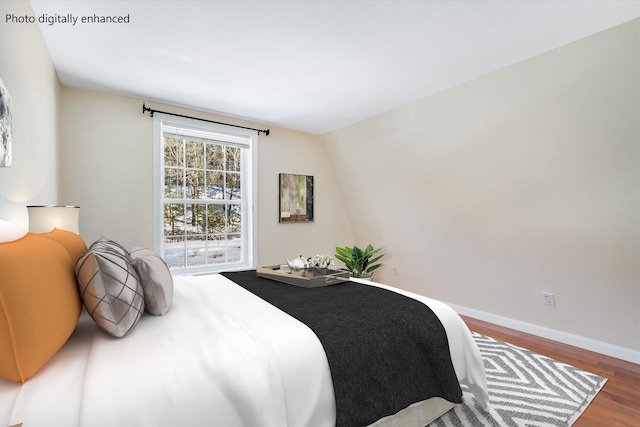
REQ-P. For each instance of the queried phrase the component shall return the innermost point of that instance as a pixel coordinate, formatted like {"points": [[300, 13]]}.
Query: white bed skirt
{"points": [[220, 357]]}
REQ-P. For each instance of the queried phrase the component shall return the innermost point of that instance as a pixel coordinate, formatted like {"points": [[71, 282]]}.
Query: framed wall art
{"points": [[5, 126], [296, 198]]}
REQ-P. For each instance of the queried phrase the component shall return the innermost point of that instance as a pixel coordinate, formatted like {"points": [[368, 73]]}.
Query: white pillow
{"points": [[10, 231], [156, 280]]}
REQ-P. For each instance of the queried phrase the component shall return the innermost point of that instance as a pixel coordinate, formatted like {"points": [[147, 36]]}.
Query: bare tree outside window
{"points": [[203, 201]]}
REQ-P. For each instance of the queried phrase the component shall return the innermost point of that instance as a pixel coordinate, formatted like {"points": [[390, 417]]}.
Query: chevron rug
{"points": [[525, 389]]}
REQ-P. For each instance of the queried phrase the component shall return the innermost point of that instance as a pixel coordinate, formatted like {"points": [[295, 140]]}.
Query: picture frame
{"points": [[5, 126], [296, 198]]}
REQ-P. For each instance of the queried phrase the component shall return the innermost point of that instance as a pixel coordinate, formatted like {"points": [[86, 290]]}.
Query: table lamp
{"points": [[44, 218]]}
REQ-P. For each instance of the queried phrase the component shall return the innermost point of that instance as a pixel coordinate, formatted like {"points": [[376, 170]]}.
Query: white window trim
{"points": [[251, 188]]}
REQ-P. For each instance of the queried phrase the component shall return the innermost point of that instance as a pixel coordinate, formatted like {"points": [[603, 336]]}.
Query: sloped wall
{"points": [[523, 181]]}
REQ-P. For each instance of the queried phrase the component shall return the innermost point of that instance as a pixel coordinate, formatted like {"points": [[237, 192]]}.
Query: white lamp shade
{"points": [[43, 219]]}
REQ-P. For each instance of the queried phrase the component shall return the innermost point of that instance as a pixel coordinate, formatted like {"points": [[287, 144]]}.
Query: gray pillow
{"points": [[109, 287], [156, 280]]}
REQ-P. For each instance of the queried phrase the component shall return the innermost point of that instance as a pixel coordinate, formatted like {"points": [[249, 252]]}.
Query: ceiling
{"points": [[313, 66]]}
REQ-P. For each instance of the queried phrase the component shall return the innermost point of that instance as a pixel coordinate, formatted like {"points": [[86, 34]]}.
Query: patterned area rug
{"points": [[525, 389]]}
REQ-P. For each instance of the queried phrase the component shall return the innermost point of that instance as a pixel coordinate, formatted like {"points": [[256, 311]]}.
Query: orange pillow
{"points": [[39, 304], [70, 240]]}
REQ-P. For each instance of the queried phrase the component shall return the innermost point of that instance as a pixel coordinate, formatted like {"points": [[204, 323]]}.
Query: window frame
{"points": [[249, 186]]}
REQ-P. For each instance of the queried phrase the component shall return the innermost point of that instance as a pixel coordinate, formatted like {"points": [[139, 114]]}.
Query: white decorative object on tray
{"points": [[299, 263]]}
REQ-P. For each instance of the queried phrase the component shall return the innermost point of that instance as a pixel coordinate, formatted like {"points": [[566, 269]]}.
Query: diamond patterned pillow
{"points": [[109, 287]]}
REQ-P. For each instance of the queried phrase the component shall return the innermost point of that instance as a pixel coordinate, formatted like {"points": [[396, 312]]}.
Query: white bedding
{"points": [[220, 357]]}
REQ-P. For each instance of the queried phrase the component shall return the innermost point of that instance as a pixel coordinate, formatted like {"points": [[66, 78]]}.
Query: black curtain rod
{"points": [[151, 111]]}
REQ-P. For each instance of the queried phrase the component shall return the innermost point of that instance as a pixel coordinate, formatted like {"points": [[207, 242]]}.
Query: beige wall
{"points": [[29, 76], [523, 181], [106, 168]]}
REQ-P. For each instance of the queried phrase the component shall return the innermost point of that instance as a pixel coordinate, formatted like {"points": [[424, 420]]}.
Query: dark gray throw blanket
{"points": [[385, 350]]}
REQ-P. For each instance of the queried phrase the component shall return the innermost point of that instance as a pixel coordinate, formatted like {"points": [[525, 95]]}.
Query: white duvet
{"points": [[220, 357]]}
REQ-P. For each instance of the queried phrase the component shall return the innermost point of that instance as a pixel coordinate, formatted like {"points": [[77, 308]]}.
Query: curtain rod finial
{"points": [[145, 109]]}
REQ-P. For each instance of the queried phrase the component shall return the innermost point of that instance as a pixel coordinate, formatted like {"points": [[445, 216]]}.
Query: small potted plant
{"points": [[360, 263]]}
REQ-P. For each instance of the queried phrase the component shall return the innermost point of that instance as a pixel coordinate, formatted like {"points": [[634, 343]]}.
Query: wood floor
{"points": [[617, 404]]}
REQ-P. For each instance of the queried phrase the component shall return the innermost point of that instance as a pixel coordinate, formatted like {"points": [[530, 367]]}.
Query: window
{"points": [[204, 192]]}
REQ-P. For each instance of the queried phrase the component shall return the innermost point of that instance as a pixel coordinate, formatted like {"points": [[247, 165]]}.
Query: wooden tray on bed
{"points": [[309, 278]]}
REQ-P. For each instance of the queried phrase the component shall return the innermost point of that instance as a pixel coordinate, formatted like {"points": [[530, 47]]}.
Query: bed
{"points": [[221, 356]]}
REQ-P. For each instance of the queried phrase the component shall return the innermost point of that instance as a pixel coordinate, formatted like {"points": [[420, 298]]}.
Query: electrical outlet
{"points": [[395, 270], [549, 298]]}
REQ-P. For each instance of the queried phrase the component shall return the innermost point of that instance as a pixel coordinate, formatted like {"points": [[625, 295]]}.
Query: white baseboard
{"points": [[601, 347]]}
